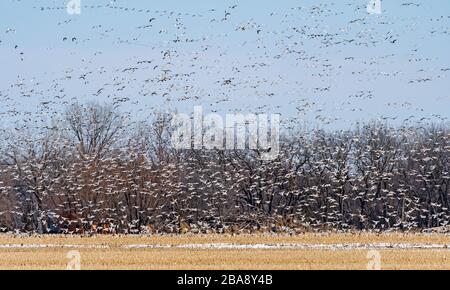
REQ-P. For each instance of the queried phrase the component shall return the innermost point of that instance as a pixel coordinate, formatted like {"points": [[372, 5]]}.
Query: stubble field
{"points": [[219, 252]]}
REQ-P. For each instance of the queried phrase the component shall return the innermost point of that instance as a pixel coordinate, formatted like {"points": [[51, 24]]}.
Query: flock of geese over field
{"points": [[84, 94], [327, 63]]}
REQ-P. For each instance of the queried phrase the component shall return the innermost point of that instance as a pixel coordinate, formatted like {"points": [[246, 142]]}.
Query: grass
{"points": [[115, 256]]}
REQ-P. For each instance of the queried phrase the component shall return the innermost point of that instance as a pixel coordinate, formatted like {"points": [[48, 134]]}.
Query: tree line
{"points": [[95, 172]]}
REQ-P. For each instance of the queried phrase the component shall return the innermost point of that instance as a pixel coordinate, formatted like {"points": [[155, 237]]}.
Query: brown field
{"points": [[166, 252]]}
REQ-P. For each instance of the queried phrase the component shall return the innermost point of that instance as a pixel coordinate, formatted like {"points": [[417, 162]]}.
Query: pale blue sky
{"points": [[329, 59]]}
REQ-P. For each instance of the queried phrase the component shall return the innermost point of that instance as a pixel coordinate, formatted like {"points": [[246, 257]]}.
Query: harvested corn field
{"points": [[219, 252]]}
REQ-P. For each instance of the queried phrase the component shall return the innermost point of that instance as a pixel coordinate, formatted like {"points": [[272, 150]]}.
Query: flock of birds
{"points": [[300, 61], [323, 65], [91, 181]]}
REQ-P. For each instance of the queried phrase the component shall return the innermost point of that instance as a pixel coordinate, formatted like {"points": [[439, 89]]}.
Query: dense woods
{"points": [[93, 172]]}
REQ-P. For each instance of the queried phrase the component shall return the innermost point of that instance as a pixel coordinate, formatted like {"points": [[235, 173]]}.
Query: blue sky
{"points": [[325, 62]]}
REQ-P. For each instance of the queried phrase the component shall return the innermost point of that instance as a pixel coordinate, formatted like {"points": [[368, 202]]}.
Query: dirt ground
{"points": [[243, 252]]}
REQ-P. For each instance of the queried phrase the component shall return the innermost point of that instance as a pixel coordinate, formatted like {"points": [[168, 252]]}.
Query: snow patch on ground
{"points": [[223, 246], [228, 246], [51, 246]]}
